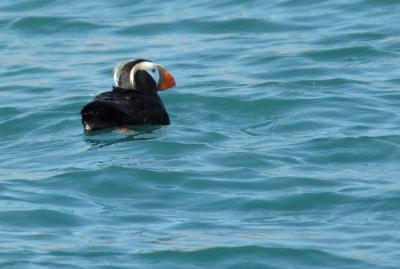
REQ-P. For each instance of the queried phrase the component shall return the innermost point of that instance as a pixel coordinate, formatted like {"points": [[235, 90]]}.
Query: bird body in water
{"points": [[134, 99]]}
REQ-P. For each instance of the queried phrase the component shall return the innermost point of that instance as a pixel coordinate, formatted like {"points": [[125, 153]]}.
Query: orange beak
{"points": [[166, 79]]}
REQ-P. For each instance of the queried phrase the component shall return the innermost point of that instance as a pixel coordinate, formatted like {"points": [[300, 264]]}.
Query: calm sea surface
{"points": [[283, 151]]}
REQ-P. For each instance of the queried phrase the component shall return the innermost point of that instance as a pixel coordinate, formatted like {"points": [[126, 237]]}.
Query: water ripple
{"points": [[237, 26], [47, 24]]}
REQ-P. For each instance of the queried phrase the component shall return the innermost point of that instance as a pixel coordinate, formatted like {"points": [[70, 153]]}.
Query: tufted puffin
{"points": [[134, 99]]}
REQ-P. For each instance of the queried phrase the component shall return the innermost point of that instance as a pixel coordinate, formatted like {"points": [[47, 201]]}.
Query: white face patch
{"points": [[149, 67], [117, 72]]}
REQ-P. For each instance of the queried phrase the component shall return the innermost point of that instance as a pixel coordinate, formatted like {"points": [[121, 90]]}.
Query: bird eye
{"points": [[153, 70]]}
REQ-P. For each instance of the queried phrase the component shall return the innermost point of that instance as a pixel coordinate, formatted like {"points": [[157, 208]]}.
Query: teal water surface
{"points": [[283, 150]]}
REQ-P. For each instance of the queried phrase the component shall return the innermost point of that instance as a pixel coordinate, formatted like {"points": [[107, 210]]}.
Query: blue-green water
{"points": [[283, 151]]}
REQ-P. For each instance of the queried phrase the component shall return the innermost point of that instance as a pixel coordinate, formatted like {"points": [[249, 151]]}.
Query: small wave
{"points": [[358, 37], [347, 150], [244, 25], [40, 218], [27, 5], [346, 53], [255, 257], [47, 24]]}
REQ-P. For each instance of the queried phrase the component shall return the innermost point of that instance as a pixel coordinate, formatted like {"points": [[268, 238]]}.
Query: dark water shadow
{"points": [[111, 136]]}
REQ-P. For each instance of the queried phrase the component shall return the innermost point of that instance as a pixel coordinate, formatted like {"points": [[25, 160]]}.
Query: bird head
{"points": [[142, 75]]}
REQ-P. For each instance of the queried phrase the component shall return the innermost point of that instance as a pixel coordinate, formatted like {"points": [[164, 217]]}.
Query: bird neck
{"points": [[137, 90]]}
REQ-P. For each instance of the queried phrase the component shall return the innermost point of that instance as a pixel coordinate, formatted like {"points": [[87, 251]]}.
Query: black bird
{"points": [[134, 99]]}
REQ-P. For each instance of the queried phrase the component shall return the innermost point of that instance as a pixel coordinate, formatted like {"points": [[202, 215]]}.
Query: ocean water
{"points": [[283, 151]]}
